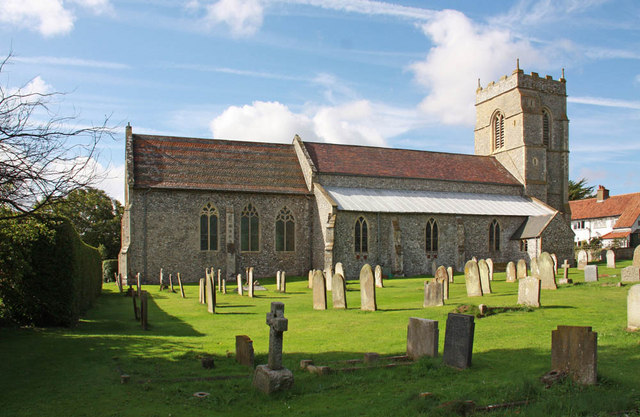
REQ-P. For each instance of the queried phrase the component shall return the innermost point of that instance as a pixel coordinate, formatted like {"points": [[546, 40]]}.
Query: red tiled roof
{"points": [[209, 164], [404, 163], [616, 235], [626, 206]]}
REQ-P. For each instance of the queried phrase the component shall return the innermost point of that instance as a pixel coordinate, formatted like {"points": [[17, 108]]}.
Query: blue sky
{"points": [[399, 74]]}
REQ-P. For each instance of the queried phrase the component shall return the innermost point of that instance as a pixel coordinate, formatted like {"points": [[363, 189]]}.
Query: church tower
{"points": [[522, 121]]}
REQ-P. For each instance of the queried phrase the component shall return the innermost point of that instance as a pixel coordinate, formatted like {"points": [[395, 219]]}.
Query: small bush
{"points": [[109, 267]]}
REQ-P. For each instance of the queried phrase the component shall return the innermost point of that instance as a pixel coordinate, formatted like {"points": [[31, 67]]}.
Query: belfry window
{"points": [[494, 236], [498, 131], [431, 236], [546, 128], [361, 238], [209, 228], [285, 231], [249, 229]]}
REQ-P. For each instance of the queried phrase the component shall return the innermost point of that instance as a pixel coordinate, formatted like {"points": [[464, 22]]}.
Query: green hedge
{"points": [[109, 267], [48, 276]]}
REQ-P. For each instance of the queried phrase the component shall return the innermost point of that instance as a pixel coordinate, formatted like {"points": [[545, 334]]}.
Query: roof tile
{"points": [[626, 206]]}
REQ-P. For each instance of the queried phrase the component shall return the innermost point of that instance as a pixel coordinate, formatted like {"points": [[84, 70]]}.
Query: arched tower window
{"points": [[494, 236], [209, 227], [361, 236], [249, 229], [431, 236], [285, 231], [498, 131], [546, 128]]}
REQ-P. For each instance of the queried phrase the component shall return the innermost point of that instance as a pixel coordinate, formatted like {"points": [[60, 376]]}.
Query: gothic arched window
{"points": [[285, 231], [249, 229], [431, 236], [546, 128], [361, 236], [498, 131], [209, 228], [494, 236]]}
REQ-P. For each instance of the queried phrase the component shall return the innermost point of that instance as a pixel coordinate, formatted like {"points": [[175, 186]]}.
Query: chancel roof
{"points": [[210, 164], [405, 163]]}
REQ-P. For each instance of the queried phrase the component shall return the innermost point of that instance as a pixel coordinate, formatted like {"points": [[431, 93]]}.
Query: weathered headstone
{"points": [[144, 310], [138, 284], [633, 307], [278, 281], [338, 294], [472, 279], [521, 269], [273, 376], [136, 309], [181, 287], [251, 286], [211, 294], [328, 276], [450, 273], [473, 258], [422, 338], [310, 285], [339, 269], [611, 259], [202, 296], [219, 276], [511, 272], [434, 267], [319, 292], [591, 273], [484, 276], [433, 294], [631, 274], [283, 282], [583, 259], [244, 350], [458, 340], [161, 280], [529, 291], [443, 278], [636, 256], [535, 268], [367, 289], [574, 349], [171, 282], [118, 278], [546, 272], [224, 285], [378, 277], [490, 265]]}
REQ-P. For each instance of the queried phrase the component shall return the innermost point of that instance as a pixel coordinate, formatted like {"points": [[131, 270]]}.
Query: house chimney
{"points": [[602, 194]]}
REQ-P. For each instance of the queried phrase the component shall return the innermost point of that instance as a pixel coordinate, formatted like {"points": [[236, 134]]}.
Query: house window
{"points": [[579, 224], [546, 128], [498, 131], [285, 231], [249, 229], [524, 245], [431, 236], [361, 238], [494, 236], [209, 228]]}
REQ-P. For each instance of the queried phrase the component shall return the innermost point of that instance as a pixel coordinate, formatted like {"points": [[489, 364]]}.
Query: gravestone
{"points": [[118, 277], [521, 269], [583, 259], [483, 268], [636, 256], [138, 284], [310, 284], [458, 340], [633, 307], [319, 292], [450, 273], [611, 259], [591, 273], [251, 287], [180, 285], [278, 281], [472, 279], [474, 259], [202, 297], [535, 270], [434, 267], [511, 272], [338, 294], [239, 282], [244, 351], [161, 280], [490, 265], [367, 289], [328, 275], [433, 296], [422, 338], [283, 282], [565, 272], [219, 277], [144, 310], [574, 349], [378, 276], [339, 269], [224, 286], [555, 263], [631, 274], [546, 272], [273, 376], [443, 278], [211, 294], [171, 282], [529, 291]]}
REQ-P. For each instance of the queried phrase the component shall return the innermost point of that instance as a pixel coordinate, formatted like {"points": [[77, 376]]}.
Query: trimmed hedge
{"points": [[109, 267], [48, 275]]}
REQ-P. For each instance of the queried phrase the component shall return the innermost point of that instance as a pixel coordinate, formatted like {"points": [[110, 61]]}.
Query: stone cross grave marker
{"points": [[458, 340], [367, 289], [472, 279], [443, 278], [490, 265], [546, 272], [521, 269], [511, 272], [583, 259], [574, 349], [631, 274], [239, 282], [529, 291], [339, 269], [636, 256], [565, 272], [450, 273], [611, 259], [591, 273], [338, 294], [433, 294], [180, 285], [422, 338], [485, 283], [328, 275], [378, 277], [319, 292], [633, 308], [244, 351]]}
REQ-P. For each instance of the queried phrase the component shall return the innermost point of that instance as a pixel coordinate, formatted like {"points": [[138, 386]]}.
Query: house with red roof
{"points": [[614, 219]]}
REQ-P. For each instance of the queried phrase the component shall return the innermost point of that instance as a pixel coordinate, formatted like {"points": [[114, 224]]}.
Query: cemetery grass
{"points": [[76, 372]]}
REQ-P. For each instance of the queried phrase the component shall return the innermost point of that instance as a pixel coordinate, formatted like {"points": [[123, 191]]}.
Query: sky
{"points": [[399, 74]]}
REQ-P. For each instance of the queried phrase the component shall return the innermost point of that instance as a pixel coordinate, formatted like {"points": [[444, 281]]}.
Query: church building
{"points": [[197, 203]]}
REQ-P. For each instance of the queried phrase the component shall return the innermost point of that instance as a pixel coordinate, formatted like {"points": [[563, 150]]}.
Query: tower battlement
{"points": [[518, 79]]}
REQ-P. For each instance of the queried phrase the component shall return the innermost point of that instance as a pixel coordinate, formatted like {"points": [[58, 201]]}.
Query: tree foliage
{"points": [[580, 190]]}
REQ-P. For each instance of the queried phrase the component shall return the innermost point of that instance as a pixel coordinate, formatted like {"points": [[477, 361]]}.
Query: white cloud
{"points": [[527, 12], [367, 7], [72, 62], [95, 6], [49, 17], [461, 53], [112, 180], [37, 86], [606, 102], [243, 17]]}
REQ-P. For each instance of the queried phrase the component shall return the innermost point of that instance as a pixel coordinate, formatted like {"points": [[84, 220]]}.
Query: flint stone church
{"points": [[196, 203]]}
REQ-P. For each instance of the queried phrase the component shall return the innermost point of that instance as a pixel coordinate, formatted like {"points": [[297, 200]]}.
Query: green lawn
{"points": [[76, 372]]}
